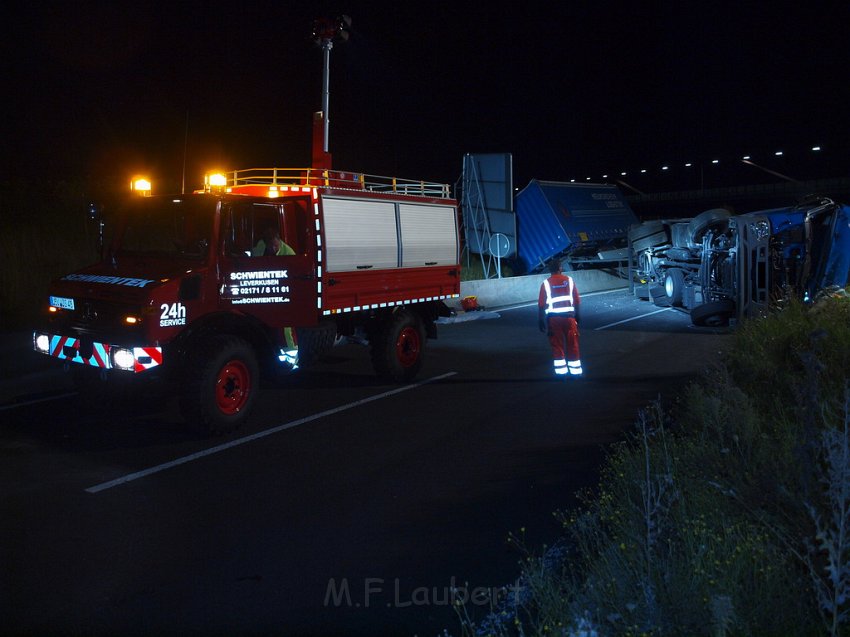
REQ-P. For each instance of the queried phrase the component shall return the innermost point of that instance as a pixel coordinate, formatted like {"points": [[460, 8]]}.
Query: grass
{"points": [[475, 270], [727, 512]]}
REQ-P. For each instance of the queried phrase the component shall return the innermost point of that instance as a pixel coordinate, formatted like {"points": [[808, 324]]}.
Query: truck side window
{"points": [[254, 228], [295, 225], [237, 236]]}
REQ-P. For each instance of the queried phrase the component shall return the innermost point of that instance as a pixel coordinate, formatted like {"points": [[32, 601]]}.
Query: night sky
{"points": [[571, 89]]}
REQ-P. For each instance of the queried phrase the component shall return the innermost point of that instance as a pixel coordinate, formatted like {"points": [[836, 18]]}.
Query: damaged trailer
{"points": [[585, 225]]}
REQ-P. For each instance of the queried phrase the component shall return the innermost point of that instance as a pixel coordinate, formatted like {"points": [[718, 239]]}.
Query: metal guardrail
{"points": [[335, 179]]}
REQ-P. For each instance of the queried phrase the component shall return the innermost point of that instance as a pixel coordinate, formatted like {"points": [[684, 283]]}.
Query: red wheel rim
{"points": [[232, 387], [407, 346]]}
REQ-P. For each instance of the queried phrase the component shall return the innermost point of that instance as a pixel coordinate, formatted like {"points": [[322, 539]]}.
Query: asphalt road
{"points": [[345, 507]]}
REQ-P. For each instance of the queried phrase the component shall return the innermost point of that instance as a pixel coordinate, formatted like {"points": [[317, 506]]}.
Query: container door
{"points": [[268, 262]]}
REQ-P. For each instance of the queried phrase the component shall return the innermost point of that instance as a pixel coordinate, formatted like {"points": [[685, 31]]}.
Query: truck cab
{"points": [[724, 267]]}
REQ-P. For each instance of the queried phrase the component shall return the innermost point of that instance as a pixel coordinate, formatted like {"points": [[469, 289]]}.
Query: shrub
{"points": [[727, 512]]}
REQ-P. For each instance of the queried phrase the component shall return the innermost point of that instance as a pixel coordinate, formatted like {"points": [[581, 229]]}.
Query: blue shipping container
{"points": [[566, 219]]}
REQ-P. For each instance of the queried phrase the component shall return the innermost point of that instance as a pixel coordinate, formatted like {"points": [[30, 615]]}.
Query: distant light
{"points": [[572, 181], [688, 165], [746, 157], [816, 148], [643, 170], [715, 161], [665, 168], [778, 153], [623, 174], [604, 176], [587, 178]]}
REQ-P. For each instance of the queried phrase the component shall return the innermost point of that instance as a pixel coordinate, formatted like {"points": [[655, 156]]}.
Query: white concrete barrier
{"points": [[492, 293]]}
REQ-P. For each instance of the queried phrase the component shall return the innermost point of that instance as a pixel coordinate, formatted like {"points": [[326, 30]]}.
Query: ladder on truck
{"points": [[476, 222]]}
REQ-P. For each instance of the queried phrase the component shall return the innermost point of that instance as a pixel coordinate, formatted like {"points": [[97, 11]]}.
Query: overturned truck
{"points": [[724, 267]]}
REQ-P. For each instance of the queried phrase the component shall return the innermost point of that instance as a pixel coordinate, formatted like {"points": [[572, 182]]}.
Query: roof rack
{"points": [[320, 178]]}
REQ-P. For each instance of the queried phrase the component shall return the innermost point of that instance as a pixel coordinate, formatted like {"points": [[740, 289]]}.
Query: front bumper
{"points": [[84, 351]]}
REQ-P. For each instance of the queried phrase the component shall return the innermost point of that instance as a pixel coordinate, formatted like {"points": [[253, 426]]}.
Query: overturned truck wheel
{"points": [[713, 314], [674, 285], [398, 347], [220, 386]]}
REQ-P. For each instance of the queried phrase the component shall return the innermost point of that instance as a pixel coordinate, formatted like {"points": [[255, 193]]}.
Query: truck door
{"points": [[268, 267]]}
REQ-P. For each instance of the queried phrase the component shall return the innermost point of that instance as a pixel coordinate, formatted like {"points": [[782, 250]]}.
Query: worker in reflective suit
{"points": [[558, 308]]}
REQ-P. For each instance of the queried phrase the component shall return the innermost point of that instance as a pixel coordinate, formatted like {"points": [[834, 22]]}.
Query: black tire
{"points": [[315, 342], [702, 222], [656, 291], [714, 314], [398, 347], [658, 295], [674, 285], [678, 254], [220, 387], [647, 235]]}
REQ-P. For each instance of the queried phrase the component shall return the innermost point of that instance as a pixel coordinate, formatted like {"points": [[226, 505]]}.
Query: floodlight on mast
{"points": [[325, 31]]}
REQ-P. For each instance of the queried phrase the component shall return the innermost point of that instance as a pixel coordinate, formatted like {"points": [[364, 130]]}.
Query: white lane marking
{"points": [[36, 401], [262, 434], [634, 318]]}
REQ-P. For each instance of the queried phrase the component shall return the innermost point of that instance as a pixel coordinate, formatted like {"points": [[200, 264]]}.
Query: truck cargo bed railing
{"points": [[282, 177]]}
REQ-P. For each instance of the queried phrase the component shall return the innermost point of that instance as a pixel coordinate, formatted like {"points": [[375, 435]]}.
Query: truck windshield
{"points": [[167, 226]]}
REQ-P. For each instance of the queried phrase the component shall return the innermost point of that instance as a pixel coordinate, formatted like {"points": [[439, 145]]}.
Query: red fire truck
{"points": [[266, 269]]}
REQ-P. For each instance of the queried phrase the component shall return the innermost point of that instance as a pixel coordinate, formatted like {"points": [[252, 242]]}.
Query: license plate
{"points": [[62, 302]]}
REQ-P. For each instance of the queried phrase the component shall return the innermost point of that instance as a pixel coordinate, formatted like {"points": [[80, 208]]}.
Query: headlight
{"points": [[41, 342], [123, 358]]}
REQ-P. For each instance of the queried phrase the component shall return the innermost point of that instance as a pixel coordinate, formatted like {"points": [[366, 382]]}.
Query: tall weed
{"points": [[725, 514]]}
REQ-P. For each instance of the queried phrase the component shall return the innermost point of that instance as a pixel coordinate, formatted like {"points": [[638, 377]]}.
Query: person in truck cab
{"points": [[271, 245]]}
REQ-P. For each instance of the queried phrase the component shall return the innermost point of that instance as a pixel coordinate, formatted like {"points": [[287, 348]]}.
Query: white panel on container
{"points": [[360, 235], [428, 235]]}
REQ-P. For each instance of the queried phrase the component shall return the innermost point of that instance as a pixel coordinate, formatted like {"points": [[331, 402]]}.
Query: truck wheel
{"points": [[714, 314], [674, 284], [222, 380], [647, 235], [698, 226], [398, 349]]}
